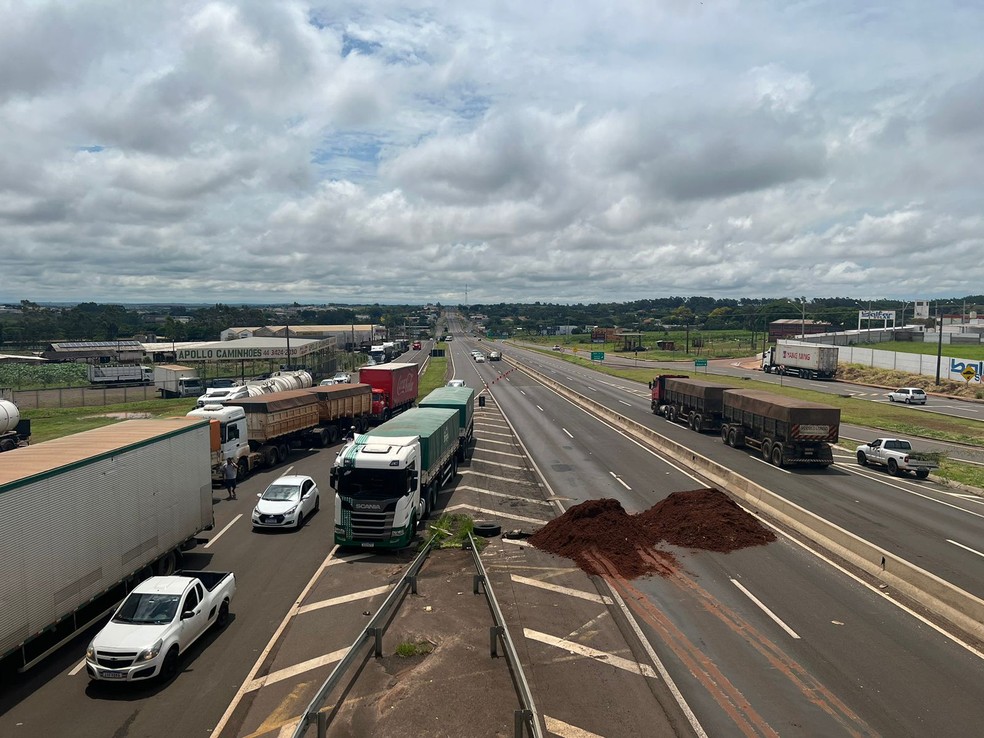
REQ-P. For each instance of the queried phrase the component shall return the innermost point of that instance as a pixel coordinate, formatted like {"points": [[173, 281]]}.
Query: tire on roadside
{"points": [[486, 529]]}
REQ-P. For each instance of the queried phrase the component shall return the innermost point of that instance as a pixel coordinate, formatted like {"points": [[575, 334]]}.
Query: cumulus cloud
{"points": [[392, 152]]}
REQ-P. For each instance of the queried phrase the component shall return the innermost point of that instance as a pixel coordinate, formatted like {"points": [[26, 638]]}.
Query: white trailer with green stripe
{"points": [[86, 517], [387, 480]]}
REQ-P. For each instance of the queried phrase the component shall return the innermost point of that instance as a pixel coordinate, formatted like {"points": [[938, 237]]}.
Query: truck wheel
{"points": [[767, 449], [167, 564], [698, 422], [486, 529], [170, 666], [223, 619], [862, 459], [922, 473], [242, 470], [893, 467], [777, 455], [725, 435], [283, 450]]}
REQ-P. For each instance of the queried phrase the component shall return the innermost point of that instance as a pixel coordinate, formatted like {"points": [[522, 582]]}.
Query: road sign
{"points": [[597, 356], [700, 362], [969, 373]]}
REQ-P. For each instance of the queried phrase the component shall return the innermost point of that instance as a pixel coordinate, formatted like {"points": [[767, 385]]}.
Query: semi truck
{"points": [[786, 431], [174, 380], [806, 360], [461, 399], [387, 480], [86, 517], [697, 403], [342, 407], [394, 388], [258, 432], [15, 431], [120, 374]]}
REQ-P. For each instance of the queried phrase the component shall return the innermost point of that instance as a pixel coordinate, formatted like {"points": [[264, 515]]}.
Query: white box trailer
{"points": [[807, 360], [86, 517]]}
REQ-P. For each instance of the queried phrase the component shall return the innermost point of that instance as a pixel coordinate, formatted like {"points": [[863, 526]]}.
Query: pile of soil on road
{"points": [[704, 519]]}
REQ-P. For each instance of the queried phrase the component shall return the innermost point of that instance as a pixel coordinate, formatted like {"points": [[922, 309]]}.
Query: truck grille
{"points": [[368, 525]]}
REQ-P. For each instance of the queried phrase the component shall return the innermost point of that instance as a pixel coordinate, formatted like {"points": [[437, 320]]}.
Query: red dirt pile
{"points": [[704, 518]]}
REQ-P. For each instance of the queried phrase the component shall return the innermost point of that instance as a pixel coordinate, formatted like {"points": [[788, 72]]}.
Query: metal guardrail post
{"points": [[494, 634]]}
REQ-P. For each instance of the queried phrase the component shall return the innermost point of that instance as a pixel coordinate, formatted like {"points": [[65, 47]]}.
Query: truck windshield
{"points": [[373, 484], [148, 609]]}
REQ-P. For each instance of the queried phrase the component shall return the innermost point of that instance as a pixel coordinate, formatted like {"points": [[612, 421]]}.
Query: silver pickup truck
{"points": [[898, 456]]}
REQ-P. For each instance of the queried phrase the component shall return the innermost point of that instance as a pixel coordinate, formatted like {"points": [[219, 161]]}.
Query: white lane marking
{"points": [[627, 404], [498, 464], [484, 451], [497, 514], [501, 443], [763, 461], [867, 585], [482, 433], [469, 472], [539, 408], [910, 491], [364, 594], [660, 667], [78, 668], [765, 609], [556, 588], [219, 534], [287, 470], [503, 495], [615, 477], [567, 432], [290, 671], [565, 730], [591, 653], [591, 388], [261, 659], [349, 559], [968, 548], [521, 392]]}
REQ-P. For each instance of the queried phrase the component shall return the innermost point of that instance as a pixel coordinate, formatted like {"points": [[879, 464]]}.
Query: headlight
{"points": [[288, 513], [90, 652], [150, 653]]}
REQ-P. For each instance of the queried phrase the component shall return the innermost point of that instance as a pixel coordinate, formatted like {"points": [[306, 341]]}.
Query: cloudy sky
{"points": [[555, 151]]}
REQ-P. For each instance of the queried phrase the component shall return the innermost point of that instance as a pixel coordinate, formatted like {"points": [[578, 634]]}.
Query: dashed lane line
{"points": [[219, 534], [499, 463], [592, 653], [469, 472], [485, 433], [503, 443], [484, 451]]}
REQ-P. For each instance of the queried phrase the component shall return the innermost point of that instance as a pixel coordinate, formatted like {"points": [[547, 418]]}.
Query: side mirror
{"points": [[187, 614], [259, 494], [414, 478], [333, 477]]}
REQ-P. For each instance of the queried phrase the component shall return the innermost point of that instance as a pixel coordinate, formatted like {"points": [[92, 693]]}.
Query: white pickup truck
{"points": [[897, 455], [156, 623]]}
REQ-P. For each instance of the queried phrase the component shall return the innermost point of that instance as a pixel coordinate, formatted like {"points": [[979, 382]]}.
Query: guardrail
{"points": [[373, 631], [960, 608], [525, 717]]}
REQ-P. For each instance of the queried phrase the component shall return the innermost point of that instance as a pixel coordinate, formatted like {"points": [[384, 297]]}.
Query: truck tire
{"points": [[726, 435], [777, 455], [242, 470], [167, 564], [767, 449], [283, 450], [893, 467], [698, 422], [922, 473], [862, 459], [486, 529]]}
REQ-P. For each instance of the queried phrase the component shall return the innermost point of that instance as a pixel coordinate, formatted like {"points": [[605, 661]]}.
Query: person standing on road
{"points": [[231, 473]]}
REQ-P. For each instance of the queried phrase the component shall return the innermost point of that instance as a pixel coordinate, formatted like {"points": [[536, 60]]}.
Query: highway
{"points": [[764, 641]]}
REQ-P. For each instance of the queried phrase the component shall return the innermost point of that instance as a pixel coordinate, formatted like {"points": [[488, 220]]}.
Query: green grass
{"points": [[408, 649], [49, 423], [435, 374], [950, 471], [956, 350], [451, 531]]}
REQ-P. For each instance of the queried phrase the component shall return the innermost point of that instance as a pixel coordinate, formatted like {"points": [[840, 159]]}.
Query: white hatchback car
{"points": [[908, 395], [287, 502], [456, 383]]}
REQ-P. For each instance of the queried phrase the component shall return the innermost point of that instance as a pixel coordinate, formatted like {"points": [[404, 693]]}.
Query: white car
{"points": [[287, 502], [480, 359], [908, 395], [342, 378], [456, 383]]}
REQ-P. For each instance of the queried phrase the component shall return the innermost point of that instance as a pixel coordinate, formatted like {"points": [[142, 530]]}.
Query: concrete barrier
{"points": [[962, 609]]}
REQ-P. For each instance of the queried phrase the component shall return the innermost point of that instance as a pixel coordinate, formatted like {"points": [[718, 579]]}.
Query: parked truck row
{"points": [[785, 430], [86, 517], [387, 480]]}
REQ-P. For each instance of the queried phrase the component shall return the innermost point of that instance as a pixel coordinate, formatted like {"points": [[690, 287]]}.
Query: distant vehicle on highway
{"points": [[456, 383], [908, 395], [557, 348], [416, 346]]}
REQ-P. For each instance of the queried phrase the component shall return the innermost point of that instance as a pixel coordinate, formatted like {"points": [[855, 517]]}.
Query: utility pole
{"points": [[939, 344], [287, 334]]}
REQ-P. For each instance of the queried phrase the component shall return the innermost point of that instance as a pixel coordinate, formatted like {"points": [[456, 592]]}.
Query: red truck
{"points": [[416, 346], [394, 388]]}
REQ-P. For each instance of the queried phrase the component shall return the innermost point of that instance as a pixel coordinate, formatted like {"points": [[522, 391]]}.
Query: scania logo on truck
{"points": [[367, 506]]}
